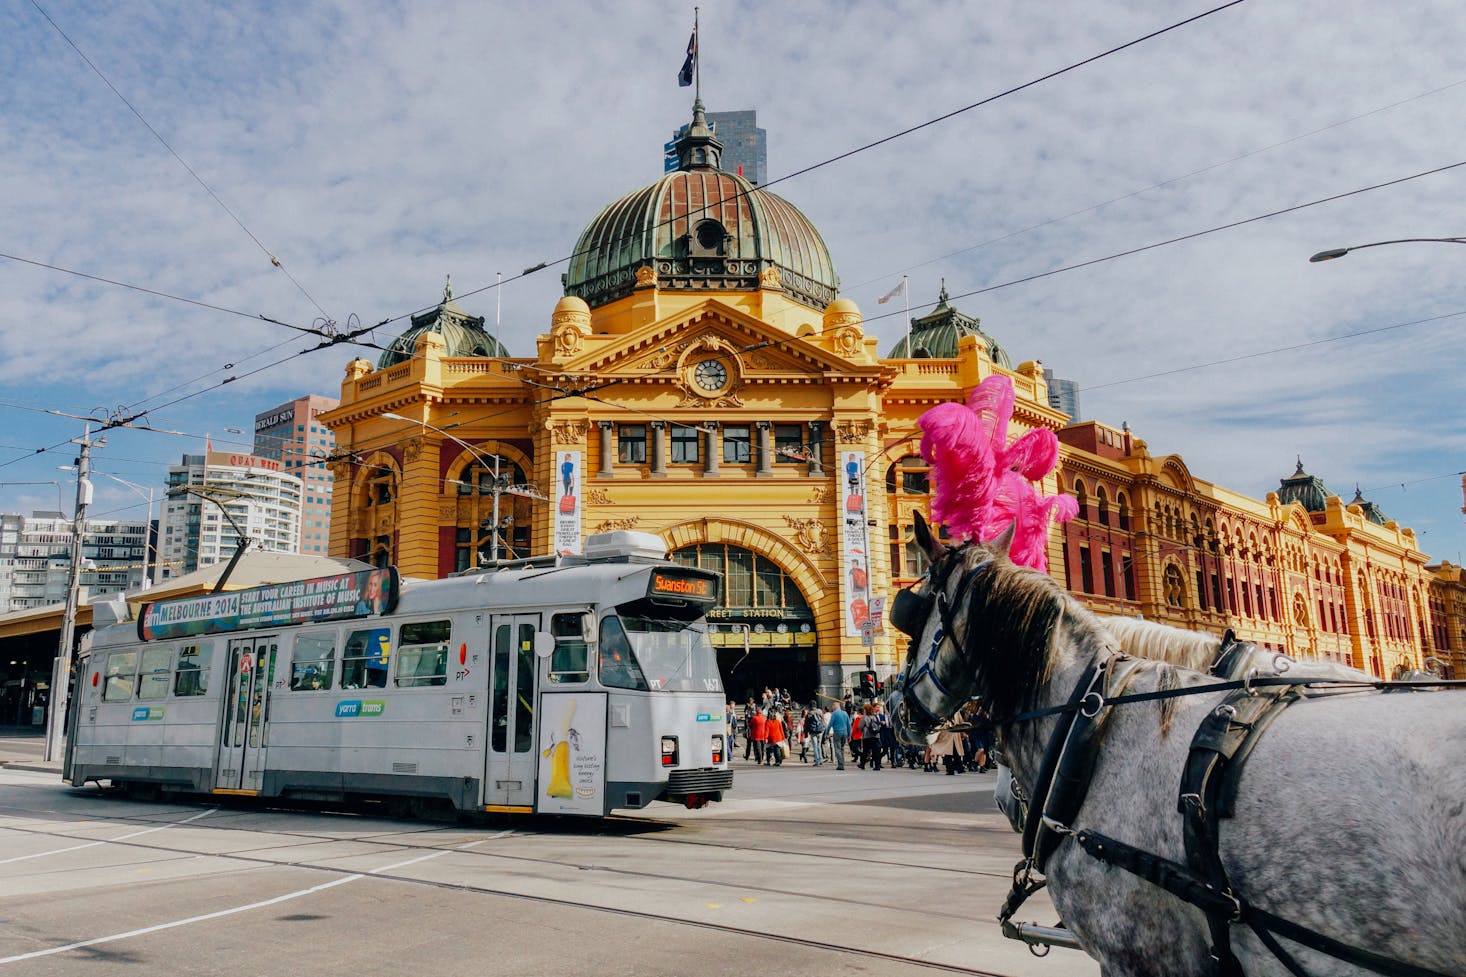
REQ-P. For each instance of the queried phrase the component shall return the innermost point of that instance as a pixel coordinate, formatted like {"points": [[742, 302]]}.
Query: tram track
{"points": [[421, 839]]}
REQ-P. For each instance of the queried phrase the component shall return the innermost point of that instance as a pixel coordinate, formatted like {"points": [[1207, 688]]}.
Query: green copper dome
{"points": [[1305, 488], [936, 335], [463, 334], [701, 229]]}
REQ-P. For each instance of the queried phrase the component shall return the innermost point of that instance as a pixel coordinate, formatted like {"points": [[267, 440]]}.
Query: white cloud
{"points": [[376, 147]]}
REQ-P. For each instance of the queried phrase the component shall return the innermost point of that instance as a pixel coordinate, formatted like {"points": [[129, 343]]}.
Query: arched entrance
{"points": [[762, 602]]}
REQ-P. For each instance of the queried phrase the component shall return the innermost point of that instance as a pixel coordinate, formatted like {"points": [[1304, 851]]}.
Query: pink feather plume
{"points": [[983, 484]]}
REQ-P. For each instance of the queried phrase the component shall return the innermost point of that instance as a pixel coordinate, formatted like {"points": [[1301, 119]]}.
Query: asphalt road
{"points": [[801, 870]]}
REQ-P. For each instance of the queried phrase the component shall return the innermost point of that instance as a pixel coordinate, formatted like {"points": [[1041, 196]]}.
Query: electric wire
{"points": [[1155, 186], [849, 153], [1277, 349], [181, 162], [1188, 237]]}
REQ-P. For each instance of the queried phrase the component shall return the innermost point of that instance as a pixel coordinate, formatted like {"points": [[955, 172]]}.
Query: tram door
{"points": [[510, 777], [243, 734]]}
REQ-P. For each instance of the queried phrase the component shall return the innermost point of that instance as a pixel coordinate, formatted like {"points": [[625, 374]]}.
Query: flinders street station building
{"points": [[703, 381]]}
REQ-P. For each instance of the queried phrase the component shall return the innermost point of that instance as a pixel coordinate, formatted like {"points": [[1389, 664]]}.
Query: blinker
{"points": [[910, 611]]}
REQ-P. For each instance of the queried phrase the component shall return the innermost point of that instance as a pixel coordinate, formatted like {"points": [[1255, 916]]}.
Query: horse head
{"points": [[969, 620]]}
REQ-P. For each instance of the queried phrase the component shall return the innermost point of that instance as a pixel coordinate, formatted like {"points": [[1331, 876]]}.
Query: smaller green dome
{"points": [[463, 334], [936, 335], [1372, 511], [1305, 488]]}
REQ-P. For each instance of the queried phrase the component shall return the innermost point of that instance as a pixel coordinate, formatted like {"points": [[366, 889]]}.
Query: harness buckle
{"points": [[1225, 711], [1090, 712]]}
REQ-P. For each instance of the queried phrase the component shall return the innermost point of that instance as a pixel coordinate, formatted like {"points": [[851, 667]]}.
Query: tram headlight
{"points": [[717, 748], [669, 751]]}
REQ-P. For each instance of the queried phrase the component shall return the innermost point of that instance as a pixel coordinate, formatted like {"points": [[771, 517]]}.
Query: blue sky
{"points": [[376, 147]]}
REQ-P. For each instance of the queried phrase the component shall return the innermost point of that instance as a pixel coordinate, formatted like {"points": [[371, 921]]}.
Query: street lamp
{"points": [[499, 486], [1333, 253], [150, 551]]}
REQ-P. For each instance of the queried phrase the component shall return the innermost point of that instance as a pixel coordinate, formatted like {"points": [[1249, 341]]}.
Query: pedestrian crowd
{"points": [[774, 728]]}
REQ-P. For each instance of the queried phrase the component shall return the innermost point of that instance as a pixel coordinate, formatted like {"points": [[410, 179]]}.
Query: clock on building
{"points": [[710, 374]]}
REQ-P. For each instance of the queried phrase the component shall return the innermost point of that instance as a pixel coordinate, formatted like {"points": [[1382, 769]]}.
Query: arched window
{"points": [[1123, 508], [1101, 505], [909, 476], [750, 580]]}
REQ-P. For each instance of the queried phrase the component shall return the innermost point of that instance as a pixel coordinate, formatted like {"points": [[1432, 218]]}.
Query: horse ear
{"points": [[930, 545], [1004, 543]]}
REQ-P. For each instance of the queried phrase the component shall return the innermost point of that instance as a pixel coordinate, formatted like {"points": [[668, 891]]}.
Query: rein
{"points": [[1220, 746]]}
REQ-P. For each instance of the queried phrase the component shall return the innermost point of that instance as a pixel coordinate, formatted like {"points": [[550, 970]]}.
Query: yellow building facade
{"points": [[702, 381]]}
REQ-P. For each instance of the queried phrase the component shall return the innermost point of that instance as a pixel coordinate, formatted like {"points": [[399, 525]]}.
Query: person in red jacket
{"points": [[758, 734], [774, 748]]}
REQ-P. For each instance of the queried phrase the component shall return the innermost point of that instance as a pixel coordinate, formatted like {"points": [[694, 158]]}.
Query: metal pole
{"points": [[494, 539], [61, 672]]}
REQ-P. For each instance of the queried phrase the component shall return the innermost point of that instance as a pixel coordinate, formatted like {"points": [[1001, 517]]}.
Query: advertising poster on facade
{"points": [[567, 503], [855, 550], [572, 776]]}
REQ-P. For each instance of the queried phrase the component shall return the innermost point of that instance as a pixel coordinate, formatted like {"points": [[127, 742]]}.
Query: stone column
{"points": [[816, 450], [714, 452], [659, 449], [608, 445], [765, 450]]}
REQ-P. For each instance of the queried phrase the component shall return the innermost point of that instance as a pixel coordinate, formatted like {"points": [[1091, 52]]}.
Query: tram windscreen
{"points": [[674, 656]]}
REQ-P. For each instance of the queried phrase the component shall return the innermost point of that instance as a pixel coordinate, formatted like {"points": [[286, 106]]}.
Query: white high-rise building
{"points": [[35, 558], [215, 497]]}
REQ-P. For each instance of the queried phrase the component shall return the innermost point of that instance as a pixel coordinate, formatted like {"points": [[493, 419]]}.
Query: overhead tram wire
{"points": [[852, 152], [181, 162], [1156, 186], [333, 338], [1280, 349], [352, 336], [1189, 237]]}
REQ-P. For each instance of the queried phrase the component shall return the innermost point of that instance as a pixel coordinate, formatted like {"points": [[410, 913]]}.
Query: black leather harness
{"points": [[1208, 790]]}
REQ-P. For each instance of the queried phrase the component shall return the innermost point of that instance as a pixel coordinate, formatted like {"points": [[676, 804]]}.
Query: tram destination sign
{"points": [[357, 594], [684, 583]]}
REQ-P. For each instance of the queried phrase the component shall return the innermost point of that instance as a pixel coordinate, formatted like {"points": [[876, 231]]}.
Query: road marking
{"points": [[109, 841], [223, 912], [178, 922]]}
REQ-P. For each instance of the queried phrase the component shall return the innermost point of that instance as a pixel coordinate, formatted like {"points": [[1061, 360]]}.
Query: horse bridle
{"points": [[911, 611]]}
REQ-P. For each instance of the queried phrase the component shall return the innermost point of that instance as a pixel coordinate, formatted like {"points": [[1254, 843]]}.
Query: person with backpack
{"points": [[756, 736], [814, 728], [777, 744], [838, 723], [870, 737]]}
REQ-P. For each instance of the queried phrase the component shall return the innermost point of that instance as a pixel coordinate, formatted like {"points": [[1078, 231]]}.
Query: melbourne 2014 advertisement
{"points": [[357, 594]]}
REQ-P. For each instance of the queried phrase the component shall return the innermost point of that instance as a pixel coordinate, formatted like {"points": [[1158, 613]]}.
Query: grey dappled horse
{"points": [[1348, 814]]}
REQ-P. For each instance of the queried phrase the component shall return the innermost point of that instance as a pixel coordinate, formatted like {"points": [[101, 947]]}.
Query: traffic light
{"points": [[868, 684]]}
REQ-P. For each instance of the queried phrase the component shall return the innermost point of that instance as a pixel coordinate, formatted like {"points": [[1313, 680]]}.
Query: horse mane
{"points": [[1162, 642], [1020, 610], [1024, 613]]}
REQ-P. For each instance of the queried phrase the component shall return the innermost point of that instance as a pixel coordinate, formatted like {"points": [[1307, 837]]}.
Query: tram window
{"points": [[313, 661], [192, 676], [422, 653], [365, 657], [157, 664], [121, 676], [570, 661], [616, 666]]}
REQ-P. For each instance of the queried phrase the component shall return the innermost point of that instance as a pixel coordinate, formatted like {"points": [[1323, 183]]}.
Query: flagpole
{"points": [[696, 56], [498, 304], [906, 299]]}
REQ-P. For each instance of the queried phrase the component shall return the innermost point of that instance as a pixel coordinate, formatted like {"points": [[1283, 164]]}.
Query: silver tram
{"points": [[568, 685]]}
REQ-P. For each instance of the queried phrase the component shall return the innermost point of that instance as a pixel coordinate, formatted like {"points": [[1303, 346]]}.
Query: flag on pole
{"points": [[684, 77], [892, 293]]}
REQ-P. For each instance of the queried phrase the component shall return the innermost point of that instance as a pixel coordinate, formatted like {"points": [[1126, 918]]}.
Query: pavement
{"points": [[24, 747]]}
